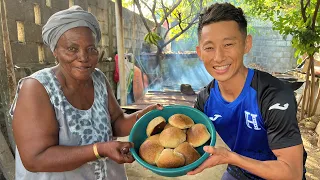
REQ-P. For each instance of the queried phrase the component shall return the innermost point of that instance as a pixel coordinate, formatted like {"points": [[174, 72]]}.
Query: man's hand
{"points": [[218, 156]]}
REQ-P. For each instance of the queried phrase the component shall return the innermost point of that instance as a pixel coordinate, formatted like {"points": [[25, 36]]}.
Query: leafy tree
{"points": [[179, 16], [300, 19]]}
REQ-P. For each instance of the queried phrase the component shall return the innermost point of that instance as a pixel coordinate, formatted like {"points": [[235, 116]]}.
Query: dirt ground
{"points": [[136, 172], [313, 161]]}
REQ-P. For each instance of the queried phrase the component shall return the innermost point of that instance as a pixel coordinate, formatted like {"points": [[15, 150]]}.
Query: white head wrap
{"points": [[67, 19]]}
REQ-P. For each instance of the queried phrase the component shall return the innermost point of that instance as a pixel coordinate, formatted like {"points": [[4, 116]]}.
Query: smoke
{"points": [[179, 70]]}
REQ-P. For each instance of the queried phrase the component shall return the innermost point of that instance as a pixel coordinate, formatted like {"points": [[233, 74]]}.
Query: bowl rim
{"points": [[156, 169]]}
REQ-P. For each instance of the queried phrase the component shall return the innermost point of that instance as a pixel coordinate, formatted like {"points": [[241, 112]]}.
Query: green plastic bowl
{"points": [[138, 136]]}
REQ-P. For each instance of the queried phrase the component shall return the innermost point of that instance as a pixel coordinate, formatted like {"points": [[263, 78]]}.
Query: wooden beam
{"points": [[7, 163], [120, 47], [12, 84]]}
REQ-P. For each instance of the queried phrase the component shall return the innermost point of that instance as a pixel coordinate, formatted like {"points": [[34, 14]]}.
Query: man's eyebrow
{"points": [[207, 42], [230, 38]]}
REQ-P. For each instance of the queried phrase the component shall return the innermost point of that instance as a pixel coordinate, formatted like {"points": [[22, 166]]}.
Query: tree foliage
{"points": [[298, 18]]}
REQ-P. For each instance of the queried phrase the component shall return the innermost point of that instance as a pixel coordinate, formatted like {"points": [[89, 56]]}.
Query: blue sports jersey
{"points": [[262, 118], [246, 132]]}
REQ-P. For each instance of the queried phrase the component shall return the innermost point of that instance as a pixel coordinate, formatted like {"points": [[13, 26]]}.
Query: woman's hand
{"points": [[218, 156], [149, 108], [117, 151]]}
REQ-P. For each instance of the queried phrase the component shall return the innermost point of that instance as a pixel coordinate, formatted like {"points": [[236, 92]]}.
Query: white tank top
{"points": [[76, 127]]}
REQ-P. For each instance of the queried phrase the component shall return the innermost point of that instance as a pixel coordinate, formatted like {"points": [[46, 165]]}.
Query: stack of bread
{"points": [[172, 144]]}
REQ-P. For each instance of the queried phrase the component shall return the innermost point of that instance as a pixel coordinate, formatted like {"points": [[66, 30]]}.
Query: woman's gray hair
{"points": [[64, 20]]}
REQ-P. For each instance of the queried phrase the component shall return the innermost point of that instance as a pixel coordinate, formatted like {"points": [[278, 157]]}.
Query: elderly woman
{"points": [[65, 117]]}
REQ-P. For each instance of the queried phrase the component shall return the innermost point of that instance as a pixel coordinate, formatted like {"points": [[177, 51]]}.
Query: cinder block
{"points": [[99, 14], [33, 32], [24, 53], [46, 12], [14, 9], [48, 56], [82, 3], [28, 11], [12, 28], [102, 3], [93, 10], [104, 28], [60, 4]]}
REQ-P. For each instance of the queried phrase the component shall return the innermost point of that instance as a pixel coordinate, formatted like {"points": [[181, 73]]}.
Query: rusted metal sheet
{"points": [[164, 98]]}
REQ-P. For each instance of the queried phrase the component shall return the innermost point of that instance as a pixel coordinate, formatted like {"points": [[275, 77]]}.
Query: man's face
{"points": [[221, 48]]}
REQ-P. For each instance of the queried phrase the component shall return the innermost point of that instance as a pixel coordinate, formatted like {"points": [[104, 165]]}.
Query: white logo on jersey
{"points": [[216, 116], [252, 121], [277, 106]]}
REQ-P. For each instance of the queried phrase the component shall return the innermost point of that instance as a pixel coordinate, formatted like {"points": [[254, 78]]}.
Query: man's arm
{"points": [[287, 166]]}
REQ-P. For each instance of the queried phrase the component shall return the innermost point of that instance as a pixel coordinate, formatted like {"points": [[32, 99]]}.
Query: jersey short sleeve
{"points": [[278, 107], [202, 97]]}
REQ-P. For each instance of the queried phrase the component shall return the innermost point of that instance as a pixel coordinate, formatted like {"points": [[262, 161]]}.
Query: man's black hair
{"points": [[222, 12]]}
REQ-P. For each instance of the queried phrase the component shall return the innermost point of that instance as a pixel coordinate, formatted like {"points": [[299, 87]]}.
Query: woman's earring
{"points": [[56, 61]]}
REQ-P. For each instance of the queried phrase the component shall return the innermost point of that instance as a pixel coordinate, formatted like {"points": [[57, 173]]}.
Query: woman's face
{"points": [[76, 53]]}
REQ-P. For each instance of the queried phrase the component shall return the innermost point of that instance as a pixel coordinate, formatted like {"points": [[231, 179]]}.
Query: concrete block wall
{"points": [[271, 50], [33, 14]]}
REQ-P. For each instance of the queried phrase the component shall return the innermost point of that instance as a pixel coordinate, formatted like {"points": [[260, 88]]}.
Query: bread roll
{"points": [[154, 138], [167, 126], [180, 121], [197, 135], [150, 150], [156, 125], [170, 159], [172, 137], [189, 153]]}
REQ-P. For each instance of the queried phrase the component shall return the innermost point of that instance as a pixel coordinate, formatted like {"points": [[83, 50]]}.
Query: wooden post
{"points": [[12, 84], [7, 163], [120, 47]]}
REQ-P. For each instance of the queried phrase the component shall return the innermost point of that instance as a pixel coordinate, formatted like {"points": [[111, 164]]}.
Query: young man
{"points": [[253, 112]]}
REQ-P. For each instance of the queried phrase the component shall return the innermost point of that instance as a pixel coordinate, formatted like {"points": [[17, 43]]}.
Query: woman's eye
{"points": [[93, 50], [73, 49]]}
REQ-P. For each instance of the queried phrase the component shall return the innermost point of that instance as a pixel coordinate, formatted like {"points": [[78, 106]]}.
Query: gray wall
{"points": [[270, 50], [26, 56]]}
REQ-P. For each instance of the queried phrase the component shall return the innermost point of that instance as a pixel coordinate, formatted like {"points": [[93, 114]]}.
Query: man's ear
{"points": [[198, 52], [248, 44]]}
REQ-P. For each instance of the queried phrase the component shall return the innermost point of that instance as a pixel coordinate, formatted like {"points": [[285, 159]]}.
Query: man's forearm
{"points": [[273, 169]]}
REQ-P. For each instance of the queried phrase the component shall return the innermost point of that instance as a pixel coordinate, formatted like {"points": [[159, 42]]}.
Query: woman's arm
{"points": [[36, 133], [122, 123]]}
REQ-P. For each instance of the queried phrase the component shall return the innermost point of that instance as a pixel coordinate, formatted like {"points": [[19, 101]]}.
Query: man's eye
{"points": [[228, 45], [208, 48]]}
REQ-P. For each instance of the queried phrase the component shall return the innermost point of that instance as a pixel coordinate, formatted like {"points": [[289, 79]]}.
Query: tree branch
{"points": [[141, 15], [170, 11], [314, 18], [303, 11], [152, 10], [184, 30]]}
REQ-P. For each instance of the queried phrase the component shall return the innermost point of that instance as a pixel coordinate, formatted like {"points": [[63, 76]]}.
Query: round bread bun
{"points": [[197, 135], [189, 153], [154, 138], [155, 126], [167, 126], [150, 150], [180, 121], [170, 159], [172, 137]]}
